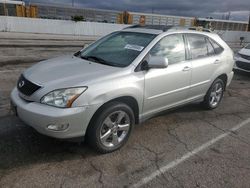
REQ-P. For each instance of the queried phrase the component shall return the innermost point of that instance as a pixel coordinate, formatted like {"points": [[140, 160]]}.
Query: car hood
{"points": [[245, 51], [68, 71]]}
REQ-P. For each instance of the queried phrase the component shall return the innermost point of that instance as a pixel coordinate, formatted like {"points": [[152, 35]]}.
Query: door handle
{"points": [[186, 68], [216, 61]]}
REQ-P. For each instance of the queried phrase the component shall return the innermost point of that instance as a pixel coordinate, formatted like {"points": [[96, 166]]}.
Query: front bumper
{"points": [[242, 64], [39, 116]]}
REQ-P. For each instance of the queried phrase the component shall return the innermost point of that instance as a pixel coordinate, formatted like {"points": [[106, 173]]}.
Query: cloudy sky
{"points": [[240, 9]]}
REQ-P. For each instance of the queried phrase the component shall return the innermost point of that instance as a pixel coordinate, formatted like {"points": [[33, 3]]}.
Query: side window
{"points": [[217, 48], [210, 48], [198, 46], [171, 47]]}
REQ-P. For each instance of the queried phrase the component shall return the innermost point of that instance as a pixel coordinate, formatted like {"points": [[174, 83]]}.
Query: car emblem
{"points": [[21, 84]]}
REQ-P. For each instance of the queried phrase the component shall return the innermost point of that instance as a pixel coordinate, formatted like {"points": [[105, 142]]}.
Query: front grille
{"points": [[26, 87], [243, 65], [245, 56]]}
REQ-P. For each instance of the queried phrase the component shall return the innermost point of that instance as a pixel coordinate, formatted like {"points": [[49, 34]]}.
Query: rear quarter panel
{"points": [[226, 66]]}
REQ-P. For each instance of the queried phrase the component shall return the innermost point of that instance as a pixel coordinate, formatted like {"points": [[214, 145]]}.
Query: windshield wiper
{"points": [[96, 59]]}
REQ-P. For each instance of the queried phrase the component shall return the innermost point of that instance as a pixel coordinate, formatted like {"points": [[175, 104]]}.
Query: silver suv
{"points": [[123, 79]]}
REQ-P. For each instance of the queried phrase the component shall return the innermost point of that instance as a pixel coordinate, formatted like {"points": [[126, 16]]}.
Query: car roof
{"points": [[158, 29]]}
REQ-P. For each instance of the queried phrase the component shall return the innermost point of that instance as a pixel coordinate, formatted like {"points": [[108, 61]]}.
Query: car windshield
{"points": [[117, 49], [247, 46]]}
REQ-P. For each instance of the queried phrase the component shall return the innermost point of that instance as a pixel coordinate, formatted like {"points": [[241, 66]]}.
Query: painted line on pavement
{"points": [[188, 155]]}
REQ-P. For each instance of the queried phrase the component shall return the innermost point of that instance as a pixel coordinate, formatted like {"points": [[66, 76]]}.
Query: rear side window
{"points": [[210, 48], [198, 46], [217, 48]]}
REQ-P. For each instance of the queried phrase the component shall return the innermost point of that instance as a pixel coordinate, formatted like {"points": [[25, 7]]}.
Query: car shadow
{"points": [[21, 145], [241, 75]]}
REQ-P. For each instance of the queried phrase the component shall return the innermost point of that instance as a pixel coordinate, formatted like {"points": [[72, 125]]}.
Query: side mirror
{"points": [[157, 62]]}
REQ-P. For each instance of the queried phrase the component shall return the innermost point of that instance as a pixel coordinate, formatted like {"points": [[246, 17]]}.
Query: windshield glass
{"points": [[117, 49], [248, 46]]}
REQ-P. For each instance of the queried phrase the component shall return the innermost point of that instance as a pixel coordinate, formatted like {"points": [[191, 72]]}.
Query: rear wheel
{"points": [[214, 94], [111, 128]]}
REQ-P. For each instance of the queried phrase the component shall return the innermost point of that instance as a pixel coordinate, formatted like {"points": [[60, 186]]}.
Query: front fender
{"points": [[100, 93]]}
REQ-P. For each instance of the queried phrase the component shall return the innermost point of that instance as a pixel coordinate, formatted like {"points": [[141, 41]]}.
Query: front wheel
{"points": [[214, 94], [111, 128]]}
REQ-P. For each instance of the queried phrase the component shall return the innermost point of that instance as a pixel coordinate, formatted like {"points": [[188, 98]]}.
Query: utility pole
{"points": [[229, 15], [5, 9], [248, 29], [152, 16]]}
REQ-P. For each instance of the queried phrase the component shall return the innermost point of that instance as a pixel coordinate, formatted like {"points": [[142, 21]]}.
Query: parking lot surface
{"points": [[185, 147], [16, 48]]}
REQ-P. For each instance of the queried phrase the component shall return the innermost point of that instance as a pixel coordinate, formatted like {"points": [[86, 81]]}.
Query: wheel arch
{"points": [[224, 78], [128, 100]]}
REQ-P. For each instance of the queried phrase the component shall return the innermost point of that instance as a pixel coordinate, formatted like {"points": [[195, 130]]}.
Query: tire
{"points": [[109, 130], [214, 96]]}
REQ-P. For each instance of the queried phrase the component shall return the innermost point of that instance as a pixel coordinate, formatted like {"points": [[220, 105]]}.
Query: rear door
{"points": [[204, 63]]}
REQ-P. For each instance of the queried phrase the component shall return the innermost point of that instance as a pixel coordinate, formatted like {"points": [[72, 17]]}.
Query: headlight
{"points": [[236, 55], [62, 98]]}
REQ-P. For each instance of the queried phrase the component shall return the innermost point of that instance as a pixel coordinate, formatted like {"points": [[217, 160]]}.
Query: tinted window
{"points": [[210, 49], [118, 49], [198, 46], [218, 49], [248, 46], [171, 47]]}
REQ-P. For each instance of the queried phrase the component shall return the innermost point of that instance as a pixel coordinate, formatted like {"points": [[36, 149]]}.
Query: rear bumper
{"points": [[39, 116], [229, 78]]}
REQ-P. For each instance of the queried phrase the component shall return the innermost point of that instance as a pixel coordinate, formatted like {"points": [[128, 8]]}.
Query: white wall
{"points": [[36, 25], [234, 36]]}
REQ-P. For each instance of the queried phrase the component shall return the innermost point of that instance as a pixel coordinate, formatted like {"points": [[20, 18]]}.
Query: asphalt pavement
{"points": [[179, 148], [185, 147]]}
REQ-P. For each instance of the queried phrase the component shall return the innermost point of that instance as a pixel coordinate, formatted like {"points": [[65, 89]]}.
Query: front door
{"points": [[169, 86]]}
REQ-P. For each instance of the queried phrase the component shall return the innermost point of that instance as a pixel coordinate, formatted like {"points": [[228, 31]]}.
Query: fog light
{"points": [[58, 127]]}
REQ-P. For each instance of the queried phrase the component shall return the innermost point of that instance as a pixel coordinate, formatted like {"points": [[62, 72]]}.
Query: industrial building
{"points": [[18, 8]]}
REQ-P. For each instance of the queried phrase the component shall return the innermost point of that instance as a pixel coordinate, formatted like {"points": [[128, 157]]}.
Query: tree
{"points": [[77, 18]]}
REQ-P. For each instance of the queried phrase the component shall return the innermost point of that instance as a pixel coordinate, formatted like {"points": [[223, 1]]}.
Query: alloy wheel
{"points": [[216, 94], [115, 128]]}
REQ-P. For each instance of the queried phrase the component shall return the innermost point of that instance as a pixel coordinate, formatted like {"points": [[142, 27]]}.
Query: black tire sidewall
{"points": [[207, 97], [95, 127]]}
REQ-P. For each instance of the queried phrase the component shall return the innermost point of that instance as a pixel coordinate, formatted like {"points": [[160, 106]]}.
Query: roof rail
{"points": [[200, 29], [156, 27], [168, 27]]}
